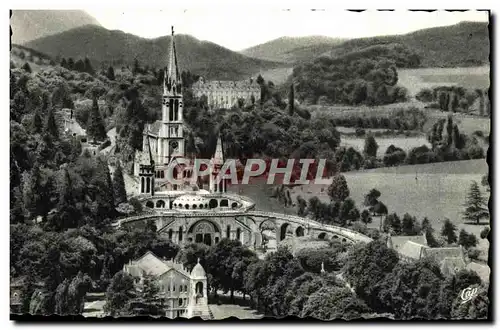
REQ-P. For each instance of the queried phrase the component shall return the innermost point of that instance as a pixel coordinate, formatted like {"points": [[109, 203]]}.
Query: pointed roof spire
{"points": [[172, 77], [147, 156], [218, 157]]}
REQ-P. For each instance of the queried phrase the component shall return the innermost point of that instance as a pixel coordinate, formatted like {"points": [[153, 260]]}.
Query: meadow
{"points": [[469, 77], [436, 191]]}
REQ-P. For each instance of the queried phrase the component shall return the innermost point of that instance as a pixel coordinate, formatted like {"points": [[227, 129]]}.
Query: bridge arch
{"points": [[283, 230], [160, 204], [150, 204], [299, 231], [323, 235]]}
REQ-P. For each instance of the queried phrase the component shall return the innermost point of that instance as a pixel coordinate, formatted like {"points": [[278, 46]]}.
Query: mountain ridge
{"points": [[115, 47], [28, 25]]}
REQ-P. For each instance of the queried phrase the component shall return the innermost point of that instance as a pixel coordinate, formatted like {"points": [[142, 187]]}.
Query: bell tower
{"points": [[171, 139]]}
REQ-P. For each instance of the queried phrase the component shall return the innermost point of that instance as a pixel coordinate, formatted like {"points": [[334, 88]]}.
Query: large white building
{"points": [[183, 292]]}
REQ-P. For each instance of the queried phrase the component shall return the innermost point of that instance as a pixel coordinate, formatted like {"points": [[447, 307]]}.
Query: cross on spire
{"points": [[172, 30]]}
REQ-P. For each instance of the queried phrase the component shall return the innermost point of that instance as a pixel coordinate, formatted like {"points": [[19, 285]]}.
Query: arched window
{"points": [[224, 202], [238, 234], [170, 233], [201, 206], [186, 206], [142, 185], [160, 204], [234, 205], [213, 203], [228, 231], [162, 174], [148, 185], [171, 110], [180, 234], [194, 206], [176, 110]]}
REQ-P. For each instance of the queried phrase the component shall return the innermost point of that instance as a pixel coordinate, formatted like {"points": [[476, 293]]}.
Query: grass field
{"points": [[438, 193], [471, 78]]}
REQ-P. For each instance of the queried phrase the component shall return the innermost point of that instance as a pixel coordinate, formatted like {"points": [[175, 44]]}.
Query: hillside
{"points": [[29, 25], [120, 48], [292, 49], [463, 44]]}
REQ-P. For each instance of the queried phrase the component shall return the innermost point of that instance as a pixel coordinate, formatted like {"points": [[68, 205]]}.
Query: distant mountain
{"points": [[463, 44], [29, 25], [117, 48], [292, 49]]}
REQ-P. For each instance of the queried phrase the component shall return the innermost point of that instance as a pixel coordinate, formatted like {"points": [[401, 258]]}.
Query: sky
{"points": [[239, 29]]}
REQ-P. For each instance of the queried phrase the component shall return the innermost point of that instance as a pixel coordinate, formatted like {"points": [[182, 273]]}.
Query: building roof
{"points": [[412, 250], [198, 271], [450, 266], [439, 254], [397, 242], [482, 270]]}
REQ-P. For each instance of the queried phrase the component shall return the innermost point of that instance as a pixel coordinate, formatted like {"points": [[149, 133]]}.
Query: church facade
{"points": [[163, 146]]}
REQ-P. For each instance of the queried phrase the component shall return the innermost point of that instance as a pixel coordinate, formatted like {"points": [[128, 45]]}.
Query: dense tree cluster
{"points": [[368, 76], [455, 99]]}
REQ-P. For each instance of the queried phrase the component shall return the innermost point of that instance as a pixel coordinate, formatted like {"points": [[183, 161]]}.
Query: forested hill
{"points": [[368, 76], [292, 49], [463, 44], [118, 48]]}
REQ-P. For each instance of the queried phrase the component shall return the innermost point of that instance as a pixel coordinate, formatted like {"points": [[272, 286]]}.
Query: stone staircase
{"points": [[201, 309]]}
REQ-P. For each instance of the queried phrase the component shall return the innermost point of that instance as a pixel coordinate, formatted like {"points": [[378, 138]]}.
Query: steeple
{"points": [[218, 158], [172, 83]]}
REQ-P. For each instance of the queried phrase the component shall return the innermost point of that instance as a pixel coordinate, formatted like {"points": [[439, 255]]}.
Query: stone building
{"points": [[225, 94], [183, 293], [411, 248]]}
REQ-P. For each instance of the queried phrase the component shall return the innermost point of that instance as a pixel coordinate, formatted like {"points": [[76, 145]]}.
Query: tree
{"points": [[366, 217], [371, 199], [64, 63], [301, 206], [87, 66], [449, 130], [454, 102], [448, 231], [485, 232], [338, 189], [411, 290], [26, 67], [68, 215], [119, 192], [467, 240], [291, 100], [51, 125], [333, 302], [120, 292], [475, 205], [348, 211], [37, 123], [95, 126], [410, 226], [110, 73], [371, 146], [366, 266]]}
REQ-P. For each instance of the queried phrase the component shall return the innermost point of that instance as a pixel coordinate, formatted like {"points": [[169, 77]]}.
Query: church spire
{"points": [[172, 81], [219, 154]]}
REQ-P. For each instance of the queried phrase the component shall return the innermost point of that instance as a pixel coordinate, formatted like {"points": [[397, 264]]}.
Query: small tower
{"points": [[146, 170], [216, 164], [198, 293]]}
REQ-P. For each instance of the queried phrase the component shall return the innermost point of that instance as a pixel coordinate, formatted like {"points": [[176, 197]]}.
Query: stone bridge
{"points": [[247, 226]]}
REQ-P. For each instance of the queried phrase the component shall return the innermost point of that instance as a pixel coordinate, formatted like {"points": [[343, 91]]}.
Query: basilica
{"points": [[163, 146]]}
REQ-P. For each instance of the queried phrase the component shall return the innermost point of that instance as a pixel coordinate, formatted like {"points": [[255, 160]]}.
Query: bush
{"points": [[360, 132], [135, 204], [425, 95], [484, 233], [474, 254]]}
